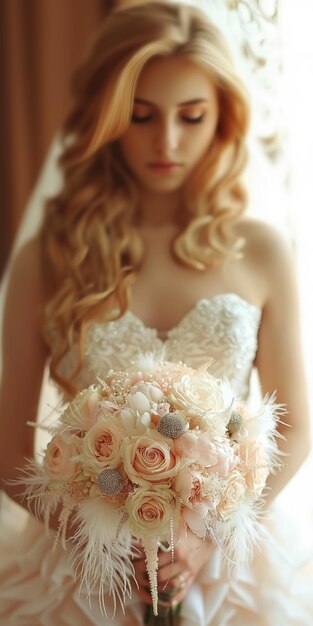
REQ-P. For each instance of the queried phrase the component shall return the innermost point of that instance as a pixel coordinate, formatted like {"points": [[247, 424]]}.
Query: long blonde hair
{"points": [[91, 248]]}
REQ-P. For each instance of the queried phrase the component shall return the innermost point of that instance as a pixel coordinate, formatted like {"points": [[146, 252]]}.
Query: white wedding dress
{"points": [[38, 587]]}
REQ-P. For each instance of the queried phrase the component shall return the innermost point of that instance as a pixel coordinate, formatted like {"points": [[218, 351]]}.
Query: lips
{"points": [[163, 164], [165, 167]]}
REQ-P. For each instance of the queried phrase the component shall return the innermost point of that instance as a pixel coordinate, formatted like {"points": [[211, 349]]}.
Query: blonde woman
{"points": [[146, 248]]}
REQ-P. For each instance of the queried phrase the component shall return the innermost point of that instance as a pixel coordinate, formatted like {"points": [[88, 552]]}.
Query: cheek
{"points": [[203, 141], [132, 147]]}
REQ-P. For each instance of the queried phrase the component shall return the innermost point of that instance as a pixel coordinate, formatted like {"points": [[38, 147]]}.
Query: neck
{"points": [[159, 209]]}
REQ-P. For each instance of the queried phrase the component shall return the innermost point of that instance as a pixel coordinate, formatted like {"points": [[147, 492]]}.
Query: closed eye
{"points": [[136, 119], [193, 120]]}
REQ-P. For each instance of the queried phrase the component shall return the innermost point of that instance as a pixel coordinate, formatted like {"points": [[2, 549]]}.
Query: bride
{"points": [[146, 247]]}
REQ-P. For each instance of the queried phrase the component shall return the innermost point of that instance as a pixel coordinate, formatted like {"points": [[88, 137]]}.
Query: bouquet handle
{"points": [[167, 616]]}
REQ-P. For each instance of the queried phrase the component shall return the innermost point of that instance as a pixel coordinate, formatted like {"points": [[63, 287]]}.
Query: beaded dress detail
{"points": [[221, 331]]}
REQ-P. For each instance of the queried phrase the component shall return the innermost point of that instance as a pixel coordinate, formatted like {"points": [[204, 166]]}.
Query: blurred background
{"points": [[41, 44]]}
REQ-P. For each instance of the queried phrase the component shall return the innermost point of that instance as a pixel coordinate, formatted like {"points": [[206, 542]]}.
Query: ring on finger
{"points": [[181, 582]]}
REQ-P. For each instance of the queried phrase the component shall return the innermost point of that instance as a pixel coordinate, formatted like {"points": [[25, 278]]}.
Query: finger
{"points": [[167, 575], [145, 595]]}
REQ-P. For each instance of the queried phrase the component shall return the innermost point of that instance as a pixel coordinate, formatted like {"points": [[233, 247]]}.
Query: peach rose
{"points": [[60, 461], [255, 465], [150, 458], [102, 447], [150, 512], [233, 495]]}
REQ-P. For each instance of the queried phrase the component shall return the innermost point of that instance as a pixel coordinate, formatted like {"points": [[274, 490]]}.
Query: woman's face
{"points": [[173, 123]]}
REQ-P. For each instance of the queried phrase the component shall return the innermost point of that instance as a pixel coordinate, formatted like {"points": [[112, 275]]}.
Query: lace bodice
{"points": [[222, 329]]}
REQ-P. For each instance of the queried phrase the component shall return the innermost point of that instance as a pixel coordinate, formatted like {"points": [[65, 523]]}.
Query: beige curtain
{"points": [[41, 44]]}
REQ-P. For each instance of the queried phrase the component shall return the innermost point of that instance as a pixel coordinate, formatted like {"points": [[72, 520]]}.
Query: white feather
{"points": [[238, 536], [103, 552]]}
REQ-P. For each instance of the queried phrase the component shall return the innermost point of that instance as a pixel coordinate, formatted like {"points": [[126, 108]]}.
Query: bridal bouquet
{"points": [[147, 453]]}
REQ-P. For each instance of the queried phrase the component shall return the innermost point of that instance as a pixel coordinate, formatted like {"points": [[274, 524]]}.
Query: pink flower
{"points": [[191, 485], [217, 455], [163, 409], [226, 458], [150, 458], [195, 446], [59, 461], [195, 518]]}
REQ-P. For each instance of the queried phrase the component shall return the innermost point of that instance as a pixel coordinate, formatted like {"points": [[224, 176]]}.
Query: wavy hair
{"points": [[90, 245]]}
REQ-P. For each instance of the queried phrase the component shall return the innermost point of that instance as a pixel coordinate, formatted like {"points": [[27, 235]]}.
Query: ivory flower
{"points": [[139, 402]]}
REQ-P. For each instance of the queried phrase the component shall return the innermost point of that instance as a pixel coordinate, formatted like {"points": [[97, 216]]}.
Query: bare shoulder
{"points": [[24, 298], [262, 238], [269, 254], [25, 275]]}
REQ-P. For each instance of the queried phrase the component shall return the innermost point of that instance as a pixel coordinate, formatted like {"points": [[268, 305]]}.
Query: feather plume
{"points": [[102, 553], [238, 536], [42, 499]]}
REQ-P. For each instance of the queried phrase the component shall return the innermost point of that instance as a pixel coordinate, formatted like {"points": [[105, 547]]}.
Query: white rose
{"points": [[199, 394]]}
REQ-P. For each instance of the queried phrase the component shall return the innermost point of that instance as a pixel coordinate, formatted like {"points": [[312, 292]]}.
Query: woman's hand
{"points": [[174, 579]]}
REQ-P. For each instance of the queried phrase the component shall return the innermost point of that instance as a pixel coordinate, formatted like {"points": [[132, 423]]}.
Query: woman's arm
{"points": [[23, 361], [279, 358]]}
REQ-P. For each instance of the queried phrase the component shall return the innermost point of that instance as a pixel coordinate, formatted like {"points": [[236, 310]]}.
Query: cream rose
{"points": [[233, 495], [150, 512], [60, 461], [150, 458], [102, 447]]}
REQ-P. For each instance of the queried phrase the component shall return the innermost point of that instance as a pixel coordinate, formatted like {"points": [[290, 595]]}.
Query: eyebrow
{"points": [[180, 104]]}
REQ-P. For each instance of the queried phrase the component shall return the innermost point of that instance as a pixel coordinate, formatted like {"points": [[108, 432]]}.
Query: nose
{"points": [[167, 137]]}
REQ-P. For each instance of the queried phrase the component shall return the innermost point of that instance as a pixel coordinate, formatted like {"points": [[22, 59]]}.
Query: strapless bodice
{"points": [[221, 330]]}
